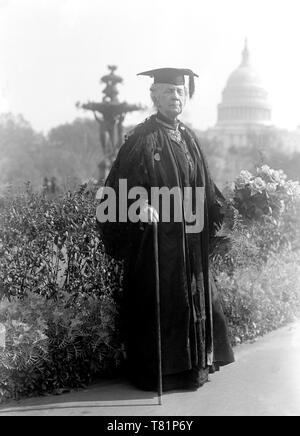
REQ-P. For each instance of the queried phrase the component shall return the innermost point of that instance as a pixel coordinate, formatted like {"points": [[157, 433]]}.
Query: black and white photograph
{"points": [[149, 210]]}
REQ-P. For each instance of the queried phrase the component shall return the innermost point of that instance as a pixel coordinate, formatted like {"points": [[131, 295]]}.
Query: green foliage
{"points": [[42, 240], [56, 344], [258, 299], [259, 273], [20, 146], [70, 152], [59, 294]]}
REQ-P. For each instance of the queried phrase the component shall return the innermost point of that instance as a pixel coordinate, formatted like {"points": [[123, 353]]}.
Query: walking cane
{"points": [[158, 328]]}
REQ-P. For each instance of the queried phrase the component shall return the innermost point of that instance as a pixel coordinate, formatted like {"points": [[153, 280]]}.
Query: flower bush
{"points": [[264, 208], [259, 275], [268, 193]]}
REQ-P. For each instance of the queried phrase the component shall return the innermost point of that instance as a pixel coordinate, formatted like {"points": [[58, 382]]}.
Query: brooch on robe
{"points": [[175, 135], [157, 157]]}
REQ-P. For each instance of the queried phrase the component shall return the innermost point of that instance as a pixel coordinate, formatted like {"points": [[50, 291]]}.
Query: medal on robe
{"points": [[157, 157]]}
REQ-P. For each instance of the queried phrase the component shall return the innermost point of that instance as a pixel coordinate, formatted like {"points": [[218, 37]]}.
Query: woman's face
{"points": [[171, 100]]}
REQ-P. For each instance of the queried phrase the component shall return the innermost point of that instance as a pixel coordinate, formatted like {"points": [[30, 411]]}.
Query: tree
{"points": [[70, 152], [19, 146]]}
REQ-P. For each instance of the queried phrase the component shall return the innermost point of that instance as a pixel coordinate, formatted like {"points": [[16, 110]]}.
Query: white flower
{"points": [[292, 188], [283, 176], [271, 187], [265, 172], [265, 169], [276, 176], [243, 179], [258, 184], [246, 175]]}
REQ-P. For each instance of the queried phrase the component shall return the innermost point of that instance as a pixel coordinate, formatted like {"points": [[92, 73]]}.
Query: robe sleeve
{"points": [[214, 196], [130, 164], [216, 215]]}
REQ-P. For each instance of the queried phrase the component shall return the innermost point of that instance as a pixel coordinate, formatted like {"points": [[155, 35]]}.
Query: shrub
{"points": [[258, 300], [259, 274], [256, 221], [56, 282], [56, 344], [21, 361], [47, 243], [272, 201]]}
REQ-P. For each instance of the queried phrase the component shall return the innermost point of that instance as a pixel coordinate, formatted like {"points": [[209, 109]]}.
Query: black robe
{"points": [[193, 327]]}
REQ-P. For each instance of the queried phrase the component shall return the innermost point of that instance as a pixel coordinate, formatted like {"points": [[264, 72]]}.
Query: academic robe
{"points": [[193, 327]]}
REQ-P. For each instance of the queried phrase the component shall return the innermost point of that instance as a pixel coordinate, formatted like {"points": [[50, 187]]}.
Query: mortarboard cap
{"points": [[174, 76]]}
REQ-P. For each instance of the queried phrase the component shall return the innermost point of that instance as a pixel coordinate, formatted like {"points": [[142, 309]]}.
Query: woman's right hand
{"points": [[148, 214]]}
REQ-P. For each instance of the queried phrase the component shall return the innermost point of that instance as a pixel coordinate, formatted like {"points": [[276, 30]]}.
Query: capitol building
{"points": [[244, 108]]}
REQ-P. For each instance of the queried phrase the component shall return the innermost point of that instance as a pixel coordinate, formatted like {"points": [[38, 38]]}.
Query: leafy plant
{"points": [[57, 283]]}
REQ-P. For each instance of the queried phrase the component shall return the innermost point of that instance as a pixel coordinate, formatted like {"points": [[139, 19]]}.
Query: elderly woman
{"points": [[163, 152]]}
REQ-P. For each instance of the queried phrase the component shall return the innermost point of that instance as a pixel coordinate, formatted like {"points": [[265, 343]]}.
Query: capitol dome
{"points": [[245, 101]]}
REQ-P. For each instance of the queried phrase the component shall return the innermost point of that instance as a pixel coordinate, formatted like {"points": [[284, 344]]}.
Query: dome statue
{"points": [[245, 101]]}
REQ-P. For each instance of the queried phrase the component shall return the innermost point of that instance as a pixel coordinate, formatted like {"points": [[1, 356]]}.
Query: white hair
{"points": [[156, 90]]}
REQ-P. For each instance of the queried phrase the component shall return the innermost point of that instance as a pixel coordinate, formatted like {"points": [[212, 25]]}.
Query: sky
{"points": [[54, 52]]}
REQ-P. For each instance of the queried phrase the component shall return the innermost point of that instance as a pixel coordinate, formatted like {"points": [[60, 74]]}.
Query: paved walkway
{"points": [[265, 380]]}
